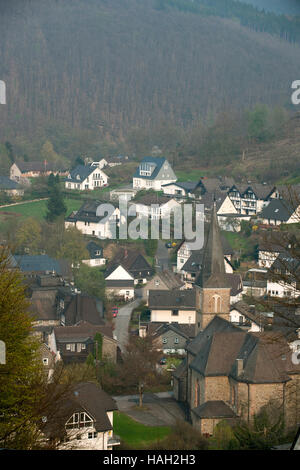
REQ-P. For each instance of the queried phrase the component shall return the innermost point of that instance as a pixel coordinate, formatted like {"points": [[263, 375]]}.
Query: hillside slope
{"points": [[111, 66]]}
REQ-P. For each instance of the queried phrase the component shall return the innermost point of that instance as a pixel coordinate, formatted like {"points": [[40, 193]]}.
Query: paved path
{"points": [[159, 409], [162, 256], [122, 323], [24, 202]]}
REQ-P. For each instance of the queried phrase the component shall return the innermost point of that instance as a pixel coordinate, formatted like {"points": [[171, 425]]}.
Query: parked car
{"points": [[115, 311], [168, 245], [163, 361]]}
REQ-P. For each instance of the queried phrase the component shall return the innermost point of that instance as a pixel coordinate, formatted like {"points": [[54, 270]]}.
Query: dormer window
{"points": [[78, 177]]}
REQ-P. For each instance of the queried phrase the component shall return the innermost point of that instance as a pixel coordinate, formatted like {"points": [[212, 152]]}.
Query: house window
{"points": [[175, 312], [45, 361], [165, 340], [70, 347], [79, 420], [176, 340]]}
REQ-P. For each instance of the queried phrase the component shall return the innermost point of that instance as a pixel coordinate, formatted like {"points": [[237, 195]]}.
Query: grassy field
{"points": [[194, 175], [135, 434], [37, 209]]}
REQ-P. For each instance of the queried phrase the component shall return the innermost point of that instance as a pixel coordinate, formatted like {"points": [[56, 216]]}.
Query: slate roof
{"points": [[187, 185], [158, 161], [92, 248], [42, 263], [86, 396], [277, 209], [159, 329], [43, 305], [262, 191], [80, 173], [209, 197], [132, 261], [7, 183], [250, 314], [175, 299], [84, 308], [25, 167], [170, 279], [83, 329], [149, 199], [214, 409], [87, 212]]}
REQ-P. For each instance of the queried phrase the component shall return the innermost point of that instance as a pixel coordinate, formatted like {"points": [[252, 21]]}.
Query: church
{"points": [[230, 373]]}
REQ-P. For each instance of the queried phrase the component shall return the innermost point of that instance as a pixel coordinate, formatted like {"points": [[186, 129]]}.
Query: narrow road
{"points": [[122, 323], [162, 257]]}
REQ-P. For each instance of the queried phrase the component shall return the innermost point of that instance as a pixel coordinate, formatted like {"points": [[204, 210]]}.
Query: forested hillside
{"points": [[84, 75]]}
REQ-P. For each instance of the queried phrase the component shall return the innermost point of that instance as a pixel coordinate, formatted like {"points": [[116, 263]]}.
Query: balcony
{"points": [[114, 440]]}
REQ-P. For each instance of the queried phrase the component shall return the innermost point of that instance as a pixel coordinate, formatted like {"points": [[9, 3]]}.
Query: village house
{"points": [[153, 173], [76, 342], [163, 280], [283, 277], [154, 207], [10, 187], [82, 419], [169, 338], [251, 198], [131, 261], [246, 317], [96, 255], [32, 265], [280, 211], [125, 193], [176, 306], [86, 177], [88, 222], [182, 190], [230, 373], [22, 171]]}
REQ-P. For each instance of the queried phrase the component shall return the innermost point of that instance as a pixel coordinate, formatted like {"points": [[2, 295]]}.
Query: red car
{"points": [[114, 311]]}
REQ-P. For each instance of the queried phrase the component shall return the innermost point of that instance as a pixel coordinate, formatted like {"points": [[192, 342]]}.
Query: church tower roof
{"points": [[212, 272]]}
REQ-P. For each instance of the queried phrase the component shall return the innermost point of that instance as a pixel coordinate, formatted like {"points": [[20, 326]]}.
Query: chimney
{"points": [[239, 367]]}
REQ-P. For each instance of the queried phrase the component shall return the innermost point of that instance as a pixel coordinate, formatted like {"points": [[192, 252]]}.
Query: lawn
{"points": [[38, 209], [136, 434], [194, 175]]}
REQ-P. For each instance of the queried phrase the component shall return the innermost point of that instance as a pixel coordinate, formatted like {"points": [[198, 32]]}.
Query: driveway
{"points": [[122, 323], [162, 257], [159, 409]]}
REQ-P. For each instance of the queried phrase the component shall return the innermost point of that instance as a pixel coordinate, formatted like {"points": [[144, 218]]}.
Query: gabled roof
{"points": [[42, 263], [277, 209], [81, 172], [186, 185], [84, 308], [130, 260], [151, 198], [157, 162], [250, 314], [170, 279], [25, 167], [261, 191], [7, 183], [174, 299], [85, 396], [93, 248], [83, 329]]}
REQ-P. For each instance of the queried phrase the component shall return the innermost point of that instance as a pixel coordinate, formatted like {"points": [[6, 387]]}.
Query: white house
{"points": [[186, 189], [244, 315], [101, 164], [153, 173], [175, 306], [156, 207], [83, 419], [89, 223], [119, 283], [280, 211], [96, 255], [251, 198], [86, 177]]}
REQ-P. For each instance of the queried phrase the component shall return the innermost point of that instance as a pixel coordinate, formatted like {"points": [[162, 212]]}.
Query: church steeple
{"points": [[212, 284], [212, 272]]}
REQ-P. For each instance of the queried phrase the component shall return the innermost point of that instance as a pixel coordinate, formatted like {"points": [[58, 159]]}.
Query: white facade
{"points": [[266, 258], [282, 289], [97, 229], [86, 437], [156, 211], [238, 318], [146, 169], [95, 180], [94, 262], [170, 316]]}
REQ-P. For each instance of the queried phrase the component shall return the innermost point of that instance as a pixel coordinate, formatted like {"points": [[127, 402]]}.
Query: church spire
{"points": [[212, 273]]}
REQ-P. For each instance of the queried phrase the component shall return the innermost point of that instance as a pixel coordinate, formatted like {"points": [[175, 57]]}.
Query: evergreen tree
{"points": [[56, 206]]}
